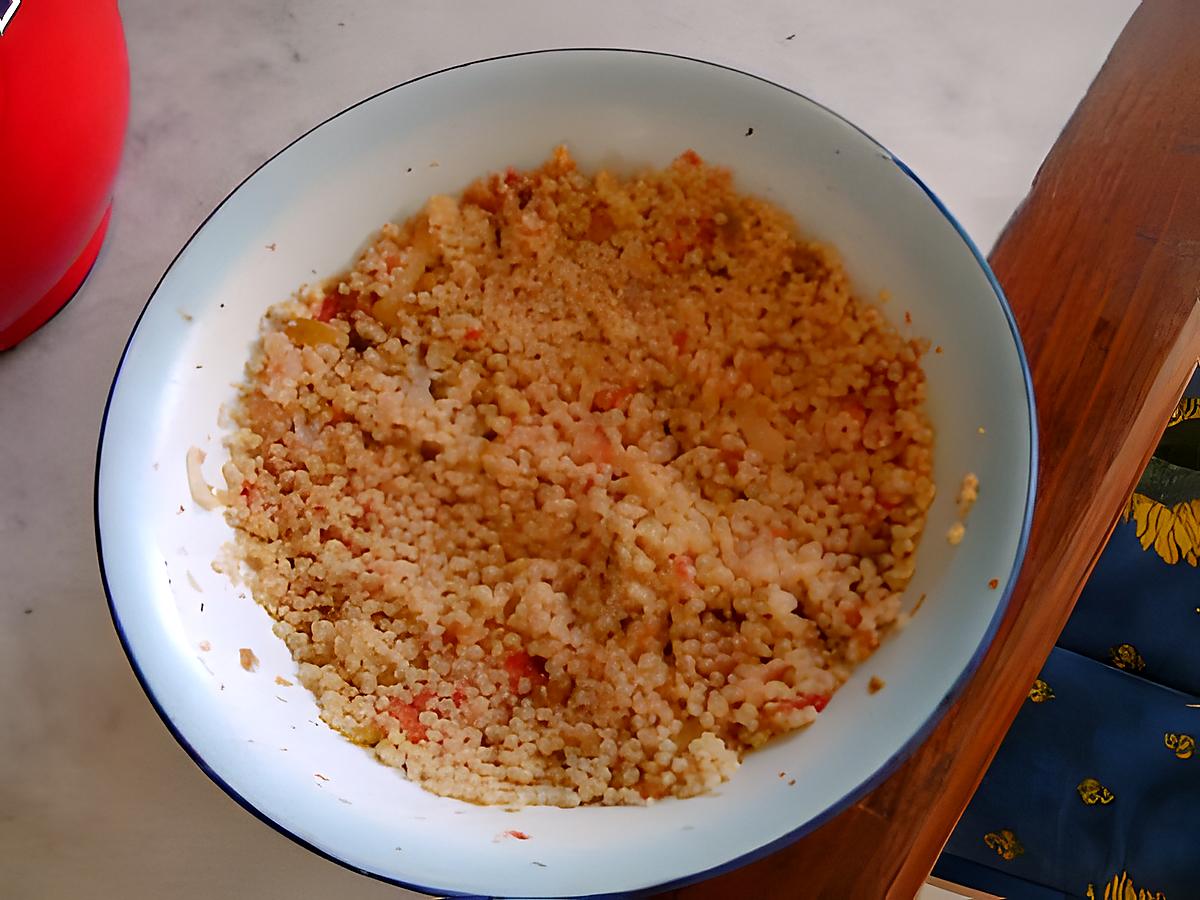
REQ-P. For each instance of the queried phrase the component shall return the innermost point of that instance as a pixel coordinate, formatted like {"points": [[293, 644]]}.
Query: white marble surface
{"points": [[96, 800]]}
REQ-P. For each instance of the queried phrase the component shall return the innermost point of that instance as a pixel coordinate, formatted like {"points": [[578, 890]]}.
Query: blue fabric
{"points": [[985, 878], [1103, 724], [1133, 598], [1095, 792]]}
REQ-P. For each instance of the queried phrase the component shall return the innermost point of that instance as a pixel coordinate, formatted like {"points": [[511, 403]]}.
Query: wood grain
{"points": [[1101, 264]]}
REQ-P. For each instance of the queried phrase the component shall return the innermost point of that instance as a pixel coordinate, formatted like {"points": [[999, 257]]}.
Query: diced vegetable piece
{"points": [[816, 701], [684, 568], [329, 308], [312, 333], [611, 397], [408, 715], [520, 664], [761, 434]]}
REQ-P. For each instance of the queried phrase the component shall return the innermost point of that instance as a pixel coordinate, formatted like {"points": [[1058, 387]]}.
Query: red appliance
{"points": [[64, 102]]}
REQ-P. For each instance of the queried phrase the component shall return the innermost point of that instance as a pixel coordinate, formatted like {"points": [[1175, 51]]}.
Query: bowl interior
{"points": [[305, 214]]}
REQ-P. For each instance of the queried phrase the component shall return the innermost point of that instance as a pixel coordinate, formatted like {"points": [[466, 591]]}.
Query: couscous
{"points": [[575, 489]]}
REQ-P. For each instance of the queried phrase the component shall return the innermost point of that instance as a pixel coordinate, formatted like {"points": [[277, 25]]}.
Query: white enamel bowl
{"points": [[310, 208]]}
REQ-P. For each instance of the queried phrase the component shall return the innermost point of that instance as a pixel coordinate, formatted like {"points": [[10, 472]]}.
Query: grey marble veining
{"points": [[96, 799]]}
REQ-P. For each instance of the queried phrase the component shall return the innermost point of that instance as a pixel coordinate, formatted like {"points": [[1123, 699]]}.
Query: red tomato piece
{"points": [[408, 714], [685, 570], [329, 308], [816, 701], [520, 664], [677, 248], [610, 397]]}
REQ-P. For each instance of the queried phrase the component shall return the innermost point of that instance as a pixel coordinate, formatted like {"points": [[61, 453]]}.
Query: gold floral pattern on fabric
{"points": [[1041, 692], [1165, 505], [1184, 745], [1187, 410], [1126, 656], [1005, 843], [1119, 887], [1092, 792], [1173, 531]]}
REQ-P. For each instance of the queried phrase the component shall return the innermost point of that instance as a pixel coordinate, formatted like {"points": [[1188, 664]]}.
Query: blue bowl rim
{"points": [[869, 784]]}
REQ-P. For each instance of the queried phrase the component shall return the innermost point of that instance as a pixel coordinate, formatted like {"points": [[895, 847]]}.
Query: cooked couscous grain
{"points": [[968, 493], [576, 489]]}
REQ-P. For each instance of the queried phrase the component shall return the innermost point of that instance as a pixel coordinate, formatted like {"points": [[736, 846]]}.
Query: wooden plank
{"points": [[1102, 266]]}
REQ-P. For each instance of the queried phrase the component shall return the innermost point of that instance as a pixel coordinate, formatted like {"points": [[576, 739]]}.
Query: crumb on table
{"points": [[875, 685], [247, 658]]}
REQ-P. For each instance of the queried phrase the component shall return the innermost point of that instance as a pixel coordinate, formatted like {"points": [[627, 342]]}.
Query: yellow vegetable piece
{"points": [[311, 333]]}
